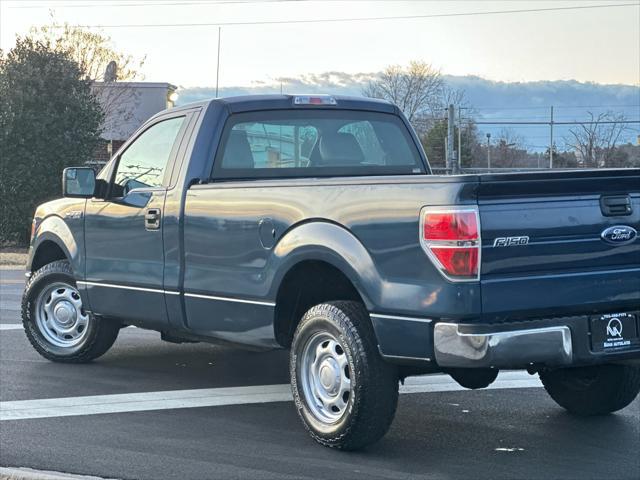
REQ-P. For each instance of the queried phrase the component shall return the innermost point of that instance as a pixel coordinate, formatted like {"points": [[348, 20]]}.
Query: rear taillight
{"points": [[451, 238]]}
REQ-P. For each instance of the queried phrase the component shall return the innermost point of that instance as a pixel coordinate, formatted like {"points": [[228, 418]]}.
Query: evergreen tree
{"points": [[49, 120]]}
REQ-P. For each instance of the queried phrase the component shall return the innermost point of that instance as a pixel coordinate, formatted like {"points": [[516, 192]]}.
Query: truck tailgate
{"points": [[543, 251]]}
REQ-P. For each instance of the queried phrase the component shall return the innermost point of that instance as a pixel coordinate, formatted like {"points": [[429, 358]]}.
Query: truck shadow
{"points": [[510, 434]]}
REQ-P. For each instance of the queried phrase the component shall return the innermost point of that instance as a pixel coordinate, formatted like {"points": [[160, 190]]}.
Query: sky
{"points": [[600, 45]]}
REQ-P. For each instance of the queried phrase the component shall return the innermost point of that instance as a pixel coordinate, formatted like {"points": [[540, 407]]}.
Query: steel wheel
{"points": [[59, 315], [326, 377], [344, 392]]}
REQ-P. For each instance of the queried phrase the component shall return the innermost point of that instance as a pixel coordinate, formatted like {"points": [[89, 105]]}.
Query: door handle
{"points": [[152, 219]]}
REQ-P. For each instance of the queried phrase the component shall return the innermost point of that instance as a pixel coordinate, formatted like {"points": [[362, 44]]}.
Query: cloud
{"points": [[480, 92], [491, 100]]}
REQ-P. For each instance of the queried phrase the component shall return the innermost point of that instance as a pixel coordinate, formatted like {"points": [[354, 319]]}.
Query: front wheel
{"points": [[344, 392], [595, 390], [56, 322]]}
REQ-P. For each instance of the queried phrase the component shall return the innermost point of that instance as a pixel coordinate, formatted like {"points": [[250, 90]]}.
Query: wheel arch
{"points": [[54, 241], [339, 266]]}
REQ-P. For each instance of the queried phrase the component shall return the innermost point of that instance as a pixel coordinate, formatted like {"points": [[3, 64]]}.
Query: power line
{"points": [[358, 19], [204, 3]]}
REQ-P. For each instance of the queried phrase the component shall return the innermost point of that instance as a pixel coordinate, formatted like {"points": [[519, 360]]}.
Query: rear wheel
{"points": [[55, 321], [344, 392], [595, 390]]}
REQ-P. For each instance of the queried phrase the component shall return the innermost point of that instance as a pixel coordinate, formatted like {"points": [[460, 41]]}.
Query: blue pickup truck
{"points": [[314, 223]]}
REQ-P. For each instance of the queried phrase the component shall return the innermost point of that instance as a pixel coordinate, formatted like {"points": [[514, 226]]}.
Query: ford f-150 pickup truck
{"points": [[314, 223]]}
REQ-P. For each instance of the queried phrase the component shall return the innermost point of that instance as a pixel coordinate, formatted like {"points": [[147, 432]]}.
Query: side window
{"points": [[144, 162]]}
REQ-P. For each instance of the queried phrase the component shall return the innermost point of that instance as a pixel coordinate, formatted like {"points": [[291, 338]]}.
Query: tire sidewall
{"points": [[612, 388], [316, 321], [31, 294]]}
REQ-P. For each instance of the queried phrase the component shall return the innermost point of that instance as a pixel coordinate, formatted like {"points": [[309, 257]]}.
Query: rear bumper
{"points": [[554, 342], [460, 347]]}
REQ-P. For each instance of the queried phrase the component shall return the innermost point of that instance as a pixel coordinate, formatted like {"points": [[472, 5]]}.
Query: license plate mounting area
{"points": [[614, 331]]}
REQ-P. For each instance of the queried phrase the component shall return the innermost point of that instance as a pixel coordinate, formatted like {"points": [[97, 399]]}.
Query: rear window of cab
{"points": [[315, 143]]}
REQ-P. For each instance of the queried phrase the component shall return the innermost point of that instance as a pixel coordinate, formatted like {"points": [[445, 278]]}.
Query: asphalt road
{"points": [[510, 433]]}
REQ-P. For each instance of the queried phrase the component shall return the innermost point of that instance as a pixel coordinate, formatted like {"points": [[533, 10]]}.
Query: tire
{"points": [[336, 341], [596, 390], [55, 322]]}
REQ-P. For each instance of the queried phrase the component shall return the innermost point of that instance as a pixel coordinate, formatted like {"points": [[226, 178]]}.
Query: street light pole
{"points": [[459, 160]]}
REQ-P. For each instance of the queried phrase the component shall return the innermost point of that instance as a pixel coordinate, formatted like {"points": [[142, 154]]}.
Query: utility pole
{"points": [[488, 151], [451, 155], [551, 141], [459, 162], [218, 62], [446, 155]]}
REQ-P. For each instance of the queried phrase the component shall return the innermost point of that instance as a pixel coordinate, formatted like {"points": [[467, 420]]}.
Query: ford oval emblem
{"points": [[619, 235]]}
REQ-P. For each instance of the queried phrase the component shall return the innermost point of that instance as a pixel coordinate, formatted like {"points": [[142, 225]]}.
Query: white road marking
{"points": [[212, 397], [10, 326], [22, 473], [19, 326]]}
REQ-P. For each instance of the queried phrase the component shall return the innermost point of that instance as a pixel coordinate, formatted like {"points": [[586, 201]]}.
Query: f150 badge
{"points": [[619, 234], [510, 241]]}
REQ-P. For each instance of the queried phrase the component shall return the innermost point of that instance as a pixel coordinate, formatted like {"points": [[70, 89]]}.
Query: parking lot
{"points": [[205, 411]]}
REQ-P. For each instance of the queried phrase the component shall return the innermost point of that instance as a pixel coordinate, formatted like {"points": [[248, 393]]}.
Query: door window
{"points": [[143, 164]]}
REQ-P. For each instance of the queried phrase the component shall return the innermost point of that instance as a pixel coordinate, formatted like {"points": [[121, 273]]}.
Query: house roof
{"points": [[116, 84]]}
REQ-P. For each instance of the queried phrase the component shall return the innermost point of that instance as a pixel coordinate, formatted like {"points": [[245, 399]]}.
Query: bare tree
{"points": [[595, 141], [509, 150], [510, 138], [96, 55], [417, 89], [93, 51], [456, 97]]}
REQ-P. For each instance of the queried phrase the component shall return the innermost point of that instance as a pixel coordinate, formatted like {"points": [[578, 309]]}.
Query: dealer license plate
{"points": [[614, 331]]}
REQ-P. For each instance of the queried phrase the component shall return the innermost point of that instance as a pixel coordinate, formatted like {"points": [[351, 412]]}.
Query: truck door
{"points": [[124, 241]]}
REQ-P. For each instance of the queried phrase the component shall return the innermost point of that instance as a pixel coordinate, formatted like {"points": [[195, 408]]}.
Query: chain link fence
{"points": [[556, 138]]}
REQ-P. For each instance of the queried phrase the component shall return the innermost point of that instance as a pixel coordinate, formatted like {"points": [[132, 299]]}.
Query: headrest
{"points": [[238, 152], [340, 149]]}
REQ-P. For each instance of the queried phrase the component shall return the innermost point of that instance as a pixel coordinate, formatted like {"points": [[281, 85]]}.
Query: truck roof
{"points": [[246, 103]]}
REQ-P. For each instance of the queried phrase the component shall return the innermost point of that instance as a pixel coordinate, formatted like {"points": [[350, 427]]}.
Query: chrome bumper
{"points": [[459, 346]]}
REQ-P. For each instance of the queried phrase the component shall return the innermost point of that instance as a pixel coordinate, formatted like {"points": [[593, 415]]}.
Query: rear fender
{"points": [[399, 339], [325, 241]]}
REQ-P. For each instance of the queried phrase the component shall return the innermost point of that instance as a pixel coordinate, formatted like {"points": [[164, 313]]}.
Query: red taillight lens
{"points": [[451, 238], [450, 226], [461, 262]]}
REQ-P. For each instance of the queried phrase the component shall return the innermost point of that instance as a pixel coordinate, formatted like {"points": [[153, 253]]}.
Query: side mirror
{"points": [[79, 182]]}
